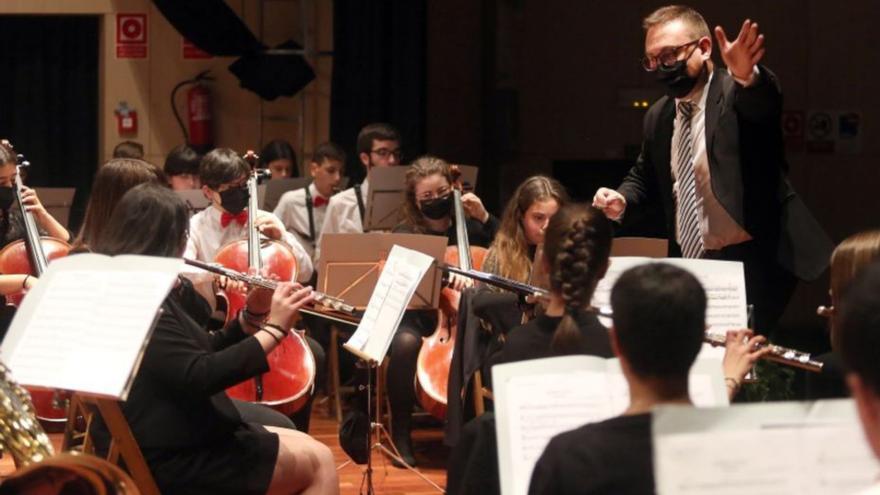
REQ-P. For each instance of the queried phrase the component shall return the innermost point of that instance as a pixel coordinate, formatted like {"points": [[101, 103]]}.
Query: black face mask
{"points": [[437, 208], [234, 200], [6, 197], [677, 82]]}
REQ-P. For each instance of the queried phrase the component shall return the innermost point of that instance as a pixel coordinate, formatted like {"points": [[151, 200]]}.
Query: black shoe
{"points": [[404, 447]]}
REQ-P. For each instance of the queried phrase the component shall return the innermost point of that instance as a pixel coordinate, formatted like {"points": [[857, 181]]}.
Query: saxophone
{"points": [[20, 433]]}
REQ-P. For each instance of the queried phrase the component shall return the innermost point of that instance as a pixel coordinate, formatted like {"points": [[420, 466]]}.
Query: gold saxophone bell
{"points": [[20, 432]]}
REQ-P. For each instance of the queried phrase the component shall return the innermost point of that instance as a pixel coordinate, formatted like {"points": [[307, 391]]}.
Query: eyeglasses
{"points": [[668, 57], [439, 193], [385, 153]]}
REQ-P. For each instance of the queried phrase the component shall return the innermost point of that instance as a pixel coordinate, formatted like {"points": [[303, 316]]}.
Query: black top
{"points": [[828, 383], [178, 398], [479, 234], [610, 457], [532, 340], [11, 225]]}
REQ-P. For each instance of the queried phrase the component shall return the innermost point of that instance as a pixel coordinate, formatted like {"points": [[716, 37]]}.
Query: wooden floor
{"points": [[387, 479]]}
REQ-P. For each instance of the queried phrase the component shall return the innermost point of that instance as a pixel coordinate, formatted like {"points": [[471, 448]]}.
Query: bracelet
{"points": [[274, 326], [254, 318], [24, 282], [736, 383], [273, 335]]}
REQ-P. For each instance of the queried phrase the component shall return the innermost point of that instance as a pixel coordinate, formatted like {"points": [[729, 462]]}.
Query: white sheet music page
{"points": [[538, 399], [84, 325], [764, 449], [401, 275], [723, 281]]}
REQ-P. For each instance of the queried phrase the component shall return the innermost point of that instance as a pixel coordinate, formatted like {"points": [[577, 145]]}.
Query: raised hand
{"points": [[742, 54]]}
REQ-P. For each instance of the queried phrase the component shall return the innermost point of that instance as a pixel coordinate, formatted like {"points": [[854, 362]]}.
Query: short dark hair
{"points": [[220, 166], [659, 319], [150, 220], [372, 132], [129, 149], [328, 151], [859, 330], [689, 16], [182, 160], [278, 149]]}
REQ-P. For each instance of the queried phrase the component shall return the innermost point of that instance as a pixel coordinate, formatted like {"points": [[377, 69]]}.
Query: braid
{"points": [[582, 244]]}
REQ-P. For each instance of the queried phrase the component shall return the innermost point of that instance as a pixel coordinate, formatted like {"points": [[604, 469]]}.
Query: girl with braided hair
{"points": [[577, 245]]}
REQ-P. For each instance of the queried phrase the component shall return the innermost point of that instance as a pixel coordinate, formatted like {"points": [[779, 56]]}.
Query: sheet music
{"points": [[764, 449], [85, 323], [538, 399], [724, 282], [402, 273]]}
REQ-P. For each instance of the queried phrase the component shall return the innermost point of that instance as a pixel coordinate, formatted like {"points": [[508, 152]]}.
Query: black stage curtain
{"points": [[50, 99], [379, 51]]}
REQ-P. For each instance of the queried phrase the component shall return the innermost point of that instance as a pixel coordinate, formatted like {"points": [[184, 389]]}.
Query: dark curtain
{"points": [[379, 49], [50, 99]]}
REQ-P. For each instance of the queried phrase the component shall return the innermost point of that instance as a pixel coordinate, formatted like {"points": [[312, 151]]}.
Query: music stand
{"points": [[57, 201], [387, 194], [350, 265], [392, 295], [276, 188]]}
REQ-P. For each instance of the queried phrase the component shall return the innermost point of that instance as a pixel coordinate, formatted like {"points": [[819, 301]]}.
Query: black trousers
{"points": [[768, 286]]}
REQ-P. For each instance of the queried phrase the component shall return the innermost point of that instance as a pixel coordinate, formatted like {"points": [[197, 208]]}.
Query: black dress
{"points": [[532, 340], [473, 461], [192, 436], [611, 457]]}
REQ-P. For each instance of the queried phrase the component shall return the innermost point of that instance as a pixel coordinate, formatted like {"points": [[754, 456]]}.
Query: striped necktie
{"points": [[686, 214]]}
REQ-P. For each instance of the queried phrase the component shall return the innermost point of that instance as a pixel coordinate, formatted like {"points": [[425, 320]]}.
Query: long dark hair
{"points": [[577, 245], [112, 180], [279, 149], [149, 220]]}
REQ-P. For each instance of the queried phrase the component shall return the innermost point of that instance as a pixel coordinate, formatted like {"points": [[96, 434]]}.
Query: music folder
{"points": [[85, 324], [387, 194], [350, 266]]}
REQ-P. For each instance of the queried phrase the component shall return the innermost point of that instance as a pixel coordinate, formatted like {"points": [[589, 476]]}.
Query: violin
{"points": [[290, 381], [31, 255], [435, 356]]}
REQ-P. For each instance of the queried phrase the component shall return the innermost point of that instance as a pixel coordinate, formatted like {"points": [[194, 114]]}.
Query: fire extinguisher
{"points": [[198, 133]]}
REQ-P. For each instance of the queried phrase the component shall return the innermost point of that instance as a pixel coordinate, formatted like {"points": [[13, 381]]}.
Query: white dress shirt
{"points": [[718, 228], [207, 236], [343, 216], [294, 213]]}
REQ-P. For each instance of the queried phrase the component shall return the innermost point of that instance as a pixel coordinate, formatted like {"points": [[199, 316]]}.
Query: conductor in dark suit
{"points": [[713, 158]]}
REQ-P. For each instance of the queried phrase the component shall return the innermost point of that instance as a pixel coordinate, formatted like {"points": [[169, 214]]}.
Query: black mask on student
{"points": [[676, 81], [437, 208], [234, 200], [6, 197]]}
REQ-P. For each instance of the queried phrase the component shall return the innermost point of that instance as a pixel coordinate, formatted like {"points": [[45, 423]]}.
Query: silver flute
{"points": [[777, 354]]}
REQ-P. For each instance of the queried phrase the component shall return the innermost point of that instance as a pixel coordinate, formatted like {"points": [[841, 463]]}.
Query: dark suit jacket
{"points": [[178, 398], [747, 164]]}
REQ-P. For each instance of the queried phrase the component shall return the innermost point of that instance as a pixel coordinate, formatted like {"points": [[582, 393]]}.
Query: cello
{"points": [[290, 381], [435, 356], [31, 255]]}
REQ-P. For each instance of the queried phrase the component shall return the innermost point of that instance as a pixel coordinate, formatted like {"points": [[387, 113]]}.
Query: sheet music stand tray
{"points": [[351, 263], [57, 201]]}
